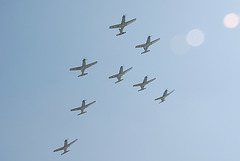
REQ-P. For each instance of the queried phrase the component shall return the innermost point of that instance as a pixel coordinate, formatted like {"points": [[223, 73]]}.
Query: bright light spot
{"points": [[231, 20], [195, 37], [179, 45]]}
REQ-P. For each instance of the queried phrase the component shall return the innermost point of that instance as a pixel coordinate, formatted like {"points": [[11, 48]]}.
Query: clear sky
{"points": [[41, 40]]}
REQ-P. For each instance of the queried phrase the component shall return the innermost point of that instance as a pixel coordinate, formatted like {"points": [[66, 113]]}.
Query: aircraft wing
{"points": [[170, 92], [115, 26], [90, 104], [150, 80], [127, 70], [131, 21], [135, 85], [152, 42], [59, 149], [113, 76], [72, 142], [76, 68], [141, 46], [75, 109], [158, 98], [91, 64]]}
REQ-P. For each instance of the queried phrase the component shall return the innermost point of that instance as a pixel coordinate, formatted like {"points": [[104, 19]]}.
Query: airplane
{"points": [[120, 74], [122, 25], [145, 82], [66, 145], [165, 94], [83, 67], [83, 107], [148, 43]]}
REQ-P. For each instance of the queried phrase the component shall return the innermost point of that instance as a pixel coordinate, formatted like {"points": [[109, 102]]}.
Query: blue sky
{"points": [[40, 42]]}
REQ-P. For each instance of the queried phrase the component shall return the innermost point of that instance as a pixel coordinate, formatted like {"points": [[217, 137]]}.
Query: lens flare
{"points": [[195, 37], [231, 20]]}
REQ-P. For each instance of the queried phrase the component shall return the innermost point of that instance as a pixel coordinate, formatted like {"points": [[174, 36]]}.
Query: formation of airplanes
{"points": [[119, 75]]}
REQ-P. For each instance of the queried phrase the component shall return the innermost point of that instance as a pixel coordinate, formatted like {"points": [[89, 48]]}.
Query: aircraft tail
{"points": [[161, 101], [65, 152], [121, 33], [118, 81], [82, 113], [82, 74], [145, 51], [141, 89]]}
